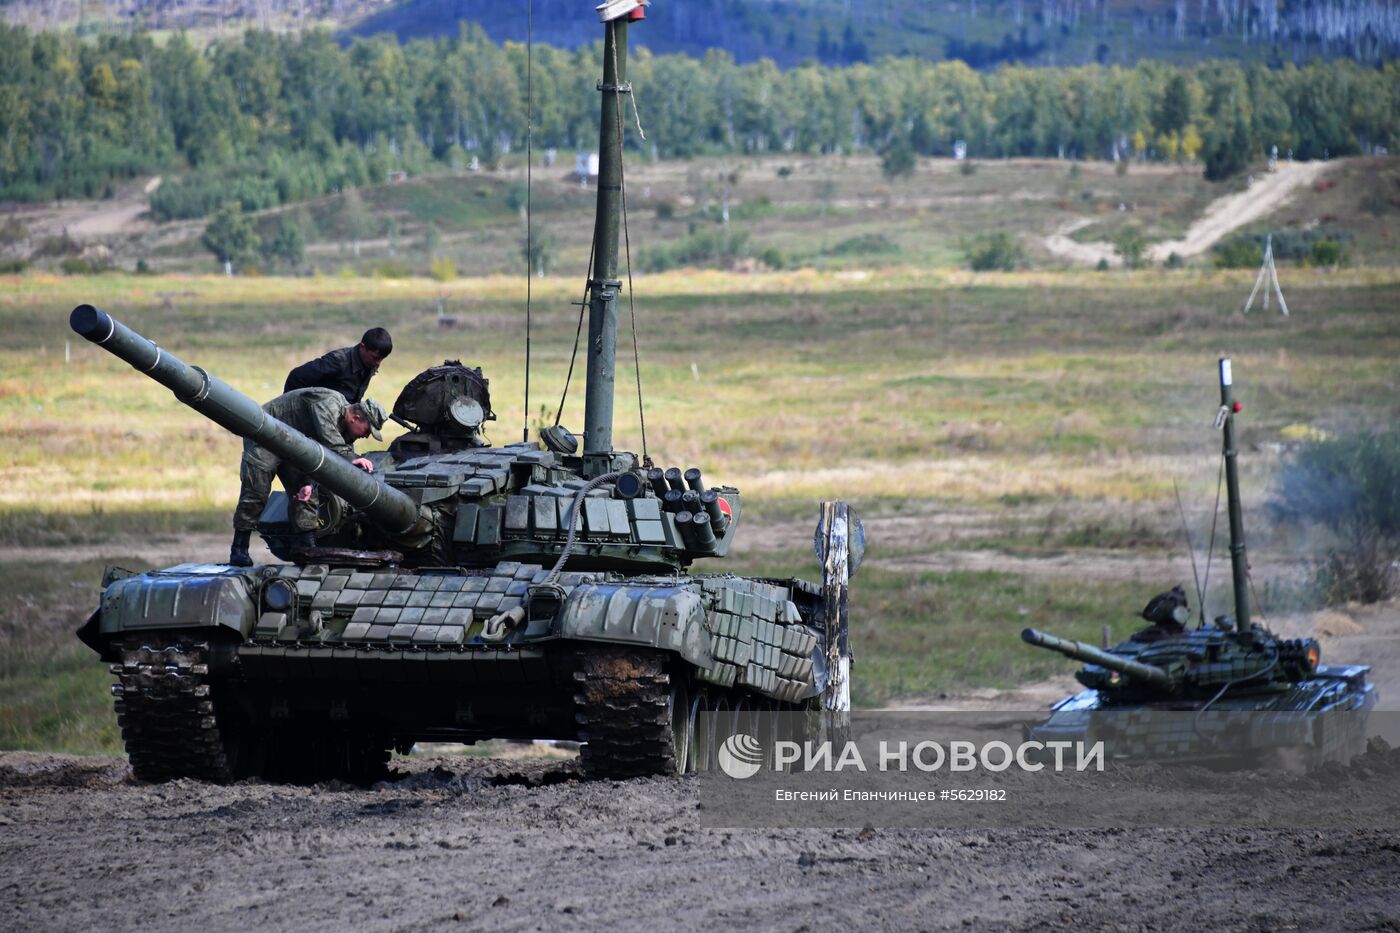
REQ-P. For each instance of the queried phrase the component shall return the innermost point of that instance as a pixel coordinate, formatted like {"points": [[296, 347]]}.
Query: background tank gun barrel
{"points": [[1146, 673], [214, 399]]}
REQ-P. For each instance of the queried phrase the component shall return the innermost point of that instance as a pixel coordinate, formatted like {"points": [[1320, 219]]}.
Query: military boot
{"points": [[303, 542], [238, 552]]}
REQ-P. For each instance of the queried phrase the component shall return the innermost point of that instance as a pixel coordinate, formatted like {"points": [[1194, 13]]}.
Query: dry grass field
{"points": [[1013, 440]]}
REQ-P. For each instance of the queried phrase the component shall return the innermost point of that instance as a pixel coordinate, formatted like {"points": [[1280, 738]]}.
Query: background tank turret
{"points": [[1219, 675], [465, 591], [1147, 674]]}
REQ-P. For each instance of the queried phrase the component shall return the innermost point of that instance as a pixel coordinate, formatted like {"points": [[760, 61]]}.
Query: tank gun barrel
{"points": [[216, 400], [1091, 655]]}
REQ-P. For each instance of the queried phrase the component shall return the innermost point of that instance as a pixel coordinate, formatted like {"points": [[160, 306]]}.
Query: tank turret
{"points": [[441, 496], [1188, 664], [1146, 673]]}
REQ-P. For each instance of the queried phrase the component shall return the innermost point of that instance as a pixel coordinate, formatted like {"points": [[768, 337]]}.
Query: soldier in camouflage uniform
{"points": [[347, 370], [323, 415]]}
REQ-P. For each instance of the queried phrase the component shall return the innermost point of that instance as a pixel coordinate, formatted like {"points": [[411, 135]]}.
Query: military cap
{"points": [[376, 414]]}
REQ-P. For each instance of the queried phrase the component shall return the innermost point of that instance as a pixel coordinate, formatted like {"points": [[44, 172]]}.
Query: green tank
{"points": [[1171, 691], [465, 592]]}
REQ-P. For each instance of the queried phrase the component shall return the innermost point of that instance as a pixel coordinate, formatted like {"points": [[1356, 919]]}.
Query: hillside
{"points": [[984, 33], [790, 212]]}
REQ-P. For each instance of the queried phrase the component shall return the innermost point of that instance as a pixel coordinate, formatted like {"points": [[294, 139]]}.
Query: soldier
{"points": [[1168, 613], [322, 415], [347, 370]]}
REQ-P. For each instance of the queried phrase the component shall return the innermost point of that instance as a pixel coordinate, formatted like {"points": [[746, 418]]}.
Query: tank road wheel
{"points": [[701, 736], [720, 720], [175, 727], [767, 730], [742, 719], [166, 713], [682, 727], [634, 717]]}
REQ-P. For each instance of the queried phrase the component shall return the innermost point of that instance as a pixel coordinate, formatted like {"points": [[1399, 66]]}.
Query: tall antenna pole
{"points": [[1239, 565], [605, 285]]}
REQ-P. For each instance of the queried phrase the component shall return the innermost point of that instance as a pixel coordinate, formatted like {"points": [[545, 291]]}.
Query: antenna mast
{"points": [[1239, 563], [605, 286]]}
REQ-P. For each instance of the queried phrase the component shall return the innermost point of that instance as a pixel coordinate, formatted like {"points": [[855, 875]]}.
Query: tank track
{"points": [[624, 708], [166, 714], [171, 727]]}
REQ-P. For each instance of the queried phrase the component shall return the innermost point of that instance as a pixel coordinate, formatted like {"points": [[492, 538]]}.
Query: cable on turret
{"points": [[1210, 549], [1196, 720], [578, 332], [1190, 549], [498, 628]]}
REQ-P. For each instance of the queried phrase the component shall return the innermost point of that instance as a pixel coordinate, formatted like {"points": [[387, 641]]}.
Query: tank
{"points": [[1171, 691], [464, 591]]}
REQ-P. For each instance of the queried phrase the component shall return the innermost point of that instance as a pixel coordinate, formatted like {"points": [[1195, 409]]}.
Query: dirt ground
{"points": [[500, 845], [511, 843]]}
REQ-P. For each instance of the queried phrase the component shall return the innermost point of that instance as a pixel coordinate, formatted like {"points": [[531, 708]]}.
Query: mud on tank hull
{"points": [[316, 672], [1312, 722]]}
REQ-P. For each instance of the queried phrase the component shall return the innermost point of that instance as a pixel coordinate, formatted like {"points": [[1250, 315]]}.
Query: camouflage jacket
{"points": [[317, 413], [341, 370]]}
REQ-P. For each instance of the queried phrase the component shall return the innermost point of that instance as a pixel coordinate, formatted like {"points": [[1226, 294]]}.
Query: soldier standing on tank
{"points": [[323, 415], [347, 370]]}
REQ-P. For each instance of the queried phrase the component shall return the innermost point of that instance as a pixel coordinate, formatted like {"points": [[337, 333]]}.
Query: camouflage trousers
{"points": [[255, 474]]}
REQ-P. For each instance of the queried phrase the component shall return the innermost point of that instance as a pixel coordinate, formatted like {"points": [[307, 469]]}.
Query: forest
{"points": [[265, 119], [984, 33]]}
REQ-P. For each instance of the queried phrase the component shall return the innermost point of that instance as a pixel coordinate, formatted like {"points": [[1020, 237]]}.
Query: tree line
{"points": [[267, 119]]}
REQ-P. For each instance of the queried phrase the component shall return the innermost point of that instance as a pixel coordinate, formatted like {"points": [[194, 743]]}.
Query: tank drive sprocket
{"points": [[166, 713], [633, 715]]}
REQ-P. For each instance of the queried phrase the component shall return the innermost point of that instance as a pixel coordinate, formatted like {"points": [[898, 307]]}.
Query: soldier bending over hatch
{"points": [[322, 415]]}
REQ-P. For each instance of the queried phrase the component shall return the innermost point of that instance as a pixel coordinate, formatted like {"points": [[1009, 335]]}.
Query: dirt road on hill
{"points": [[1226, 214], [1062, 246]]}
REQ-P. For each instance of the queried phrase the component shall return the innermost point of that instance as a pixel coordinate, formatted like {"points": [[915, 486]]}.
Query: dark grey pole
{"points": [[604, 287], [1239, 564]]}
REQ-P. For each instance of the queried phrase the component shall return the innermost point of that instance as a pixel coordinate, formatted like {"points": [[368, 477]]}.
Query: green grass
{"points": [[1057, 408], [901, 385], [916, 635], [39, 527], [922, 634], [53, 689]]}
